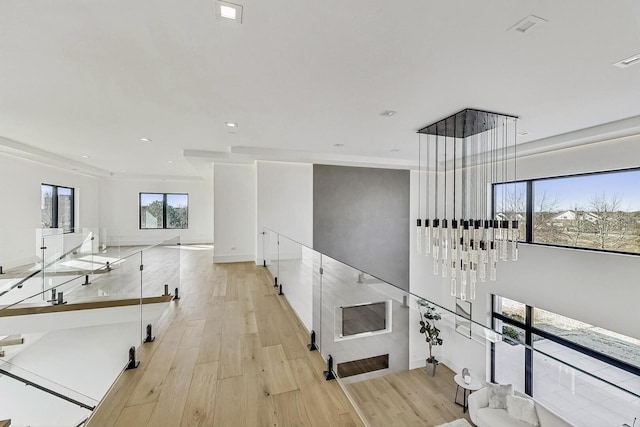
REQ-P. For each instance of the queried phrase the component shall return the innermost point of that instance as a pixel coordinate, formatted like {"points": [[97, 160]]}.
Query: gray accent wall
{"points": [[361, 218]]}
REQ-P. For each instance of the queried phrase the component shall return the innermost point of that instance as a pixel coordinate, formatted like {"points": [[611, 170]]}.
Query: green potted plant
{"points": [[428, 318]]}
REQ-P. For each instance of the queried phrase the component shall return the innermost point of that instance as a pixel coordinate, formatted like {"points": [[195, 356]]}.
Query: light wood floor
{"points": [[230, 352], [409, 398]]}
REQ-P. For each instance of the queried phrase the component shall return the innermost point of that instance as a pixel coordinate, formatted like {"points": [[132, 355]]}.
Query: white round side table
{"points": [[466, 389]]}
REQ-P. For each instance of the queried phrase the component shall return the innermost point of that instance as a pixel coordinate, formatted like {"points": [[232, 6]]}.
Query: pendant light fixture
{"points": [[467, 248]]}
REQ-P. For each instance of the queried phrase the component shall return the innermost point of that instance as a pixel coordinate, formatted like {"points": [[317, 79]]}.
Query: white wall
{"points": [[285, 201], [120, 202], [234, 212], [596, 288], [20, 182]]}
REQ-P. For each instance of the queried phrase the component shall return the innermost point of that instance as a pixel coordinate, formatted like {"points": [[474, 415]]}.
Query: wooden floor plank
{"points": [[137, 415], [210, 345], [259, 409], [230, 357], [192, 334], [291, 410], [276, 371], [198, 411], [229, 409], [173, 397]]}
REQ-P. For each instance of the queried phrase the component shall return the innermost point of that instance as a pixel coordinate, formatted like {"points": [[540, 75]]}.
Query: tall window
{"points": [[57, 207], [560, 336], [595, 211], [164, 210]]}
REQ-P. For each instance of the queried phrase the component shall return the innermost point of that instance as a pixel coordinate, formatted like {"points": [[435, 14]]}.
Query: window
{"points": [[57, 207], [609, 355], [593, 211], [162, 210]]}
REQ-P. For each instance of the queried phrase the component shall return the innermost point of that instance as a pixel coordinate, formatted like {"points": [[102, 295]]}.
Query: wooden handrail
{"points": [[86, 305]]}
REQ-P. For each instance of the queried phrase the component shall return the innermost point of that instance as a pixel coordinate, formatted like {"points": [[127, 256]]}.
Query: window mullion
{"points": [[529, 212], [528, 352], [54, 207], [164, 210]]}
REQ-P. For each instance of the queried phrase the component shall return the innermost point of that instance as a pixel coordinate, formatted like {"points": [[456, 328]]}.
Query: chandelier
{"points": [[466, 154]]}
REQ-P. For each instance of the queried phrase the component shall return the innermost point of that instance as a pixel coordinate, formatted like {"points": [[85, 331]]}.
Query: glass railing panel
{"points": [[315, 258], [585, 391], [161, 273], [510, 356], [296, 278], [59, 260], [26, 404], [20, 257], [460, 342], [365, 321], [270, 251], [120, 280], [161, 266]]}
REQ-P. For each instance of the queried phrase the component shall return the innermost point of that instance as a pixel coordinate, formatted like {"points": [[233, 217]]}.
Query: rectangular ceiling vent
{"points": [[632, 60], [528, 24]]}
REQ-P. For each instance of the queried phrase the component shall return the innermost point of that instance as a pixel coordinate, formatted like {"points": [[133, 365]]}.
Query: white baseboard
{"points": [[221, 259]]}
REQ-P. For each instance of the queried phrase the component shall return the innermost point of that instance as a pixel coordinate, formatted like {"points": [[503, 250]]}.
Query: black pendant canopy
{"points": [[465, 123]]}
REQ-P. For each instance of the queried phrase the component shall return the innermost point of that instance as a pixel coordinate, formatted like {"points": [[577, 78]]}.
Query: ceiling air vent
{"points": [[528, 24]]}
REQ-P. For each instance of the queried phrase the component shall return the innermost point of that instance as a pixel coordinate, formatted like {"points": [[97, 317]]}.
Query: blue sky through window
{"points": [[579, 190]]}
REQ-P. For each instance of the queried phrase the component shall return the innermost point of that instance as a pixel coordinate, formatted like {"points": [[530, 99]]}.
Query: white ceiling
{"points": [[89, 77]]}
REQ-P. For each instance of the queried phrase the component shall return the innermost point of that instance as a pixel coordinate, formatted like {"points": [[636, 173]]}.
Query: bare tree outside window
{"points": [[610, 223]]}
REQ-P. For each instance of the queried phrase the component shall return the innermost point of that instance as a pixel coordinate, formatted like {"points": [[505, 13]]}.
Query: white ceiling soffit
{"points": [[24, 151], [250, 154], [608, 131]]}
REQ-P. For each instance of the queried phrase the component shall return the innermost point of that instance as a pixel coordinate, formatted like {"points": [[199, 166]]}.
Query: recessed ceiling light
{"points": [[632, 60], [123, 171], [388, 113], [85, 157], [395, 150], [145, 139], [229, 11], [338, 145], [231, 124], [170, 161], [523, 133], [527, 24]]}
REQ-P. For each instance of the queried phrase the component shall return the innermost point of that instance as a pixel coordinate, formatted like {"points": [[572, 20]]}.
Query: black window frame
{"points": [[164, 211], [55, 217], [530, 330], [530, 208]]}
